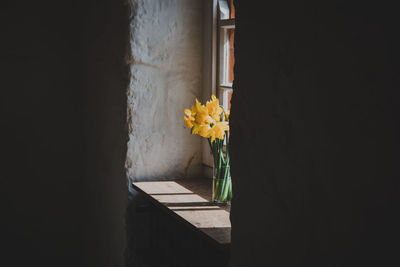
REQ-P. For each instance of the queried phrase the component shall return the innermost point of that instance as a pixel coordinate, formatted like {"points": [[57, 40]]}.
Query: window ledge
{"points": [[189, 201]]}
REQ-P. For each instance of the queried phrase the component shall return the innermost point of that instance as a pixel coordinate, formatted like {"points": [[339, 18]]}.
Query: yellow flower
{"points": [[218, 130], [190, 112], [214, 109], [202, 115], [226, 114], [208, 121], [189, 121], [204, 130], [201, 130]]}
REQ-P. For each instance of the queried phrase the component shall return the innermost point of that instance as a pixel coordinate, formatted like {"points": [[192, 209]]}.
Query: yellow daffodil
{"points": [[214, 109], [202, 115], [211, 121], [208, 121], [204, 130], [218, 130], [201, 130], [203, 118], [189, 121], [226, 114], [190, 112]]}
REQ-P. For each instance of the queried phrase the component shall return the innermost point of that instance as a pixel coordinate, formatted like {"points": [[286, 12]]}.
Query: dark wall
{"points": [[314, 129], [106, 80], [41, 110], [63, 94]]}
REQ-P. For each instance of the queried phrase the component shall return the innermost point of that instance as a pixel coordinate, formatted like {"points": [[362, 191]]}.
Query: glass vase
{"points": [[222, 185]]}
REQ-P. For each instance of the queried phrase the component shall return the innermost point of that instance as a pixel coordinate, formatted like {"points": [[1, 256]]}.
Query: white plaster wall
{"points": [[166, 76]]}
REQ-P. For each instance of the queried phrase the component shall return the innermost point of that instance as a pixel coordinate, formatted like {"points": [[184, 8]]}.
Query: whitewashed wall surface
{"points": [[166, 76]]}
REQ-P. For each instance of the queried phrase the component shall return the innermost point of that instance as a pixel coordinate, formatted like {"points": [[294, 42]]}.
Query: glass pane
{"points": [[225, 97], [224, 10], [231, 57]]}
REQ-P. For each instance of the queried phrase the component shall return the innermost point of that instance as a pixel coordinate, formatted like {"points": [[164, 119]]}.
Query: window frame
{"points": [[213, 42], [224, 24]]}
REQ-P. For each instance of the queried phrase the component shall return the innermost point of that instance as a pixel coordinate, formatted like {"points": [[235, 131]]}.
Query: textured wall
{"points": [[314, 134], [166, 75]]}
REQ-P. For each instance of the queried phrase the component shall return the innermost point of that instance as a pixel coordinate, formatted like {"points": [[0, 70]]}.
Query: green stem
{"points": [[222, 183]]}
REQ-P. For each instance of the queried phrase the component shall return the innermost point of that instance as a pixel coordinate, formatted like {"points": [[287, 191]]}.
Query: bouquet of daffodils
{"points": [[211, 121]]}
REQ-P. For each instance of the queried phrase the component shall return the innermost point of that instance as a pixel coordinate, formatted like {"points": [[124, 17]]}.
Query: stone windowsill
{"points": [[189, 201]]}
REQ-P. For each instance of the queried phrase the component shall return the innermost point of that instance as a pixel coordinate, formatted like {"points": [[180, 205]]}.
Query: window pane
{"points": [[231, 57], [224, 10], [225, 97]]}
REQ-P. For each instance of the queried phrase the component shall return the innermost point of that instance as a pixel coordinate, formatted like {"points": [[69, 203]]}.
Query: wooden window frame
{"points": [[214, 40], [224, 23]]}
